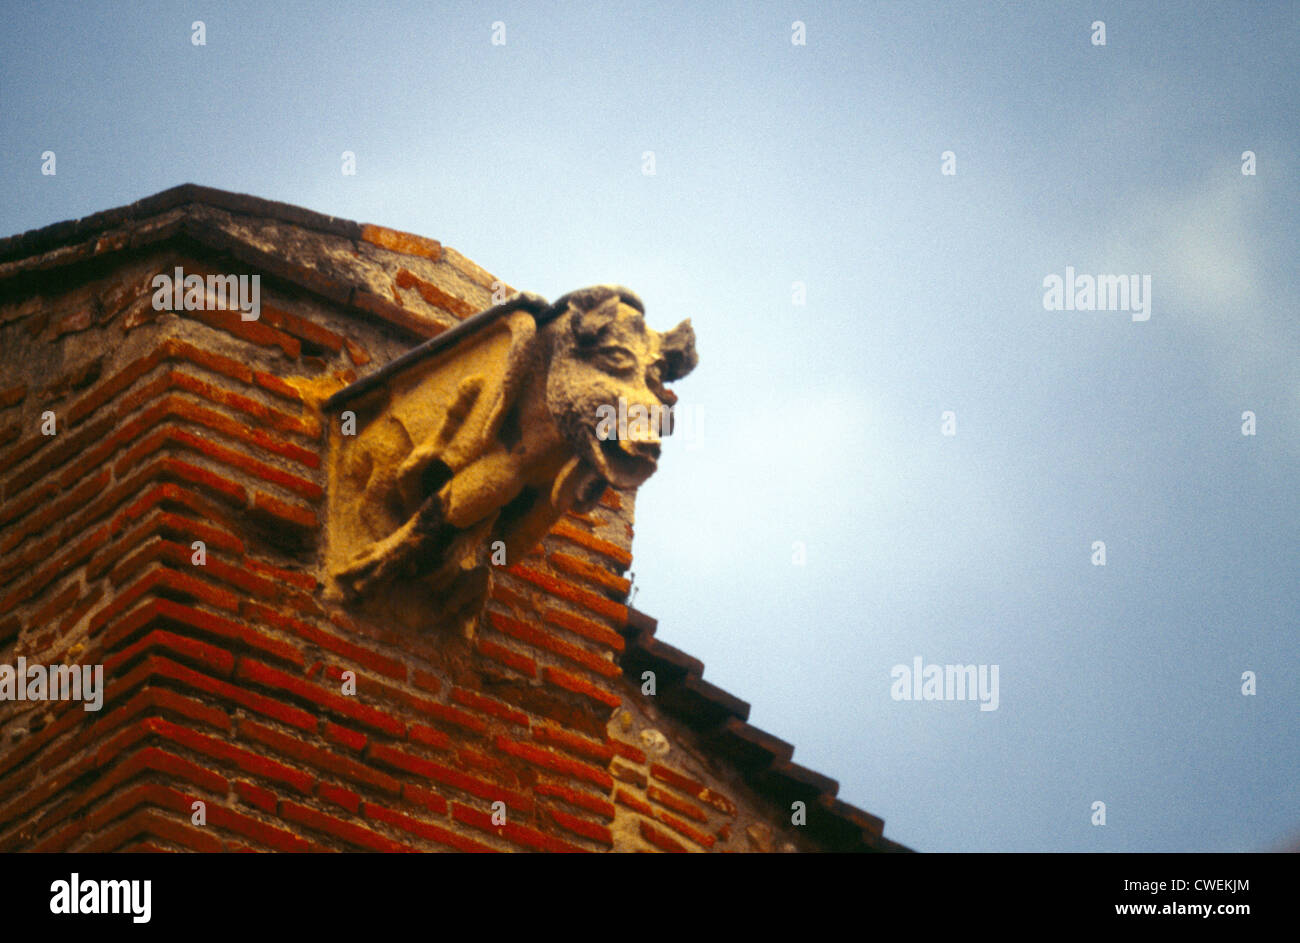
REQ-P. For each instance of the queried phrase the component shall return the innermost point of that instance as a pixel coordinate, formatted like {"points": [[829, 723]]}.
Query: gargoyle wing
{"points": [[483, 400]]}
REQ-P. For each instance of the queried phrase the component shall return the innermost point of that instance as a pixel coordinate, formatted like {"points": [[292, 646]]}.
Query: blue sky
{"points": [[821, 423]]}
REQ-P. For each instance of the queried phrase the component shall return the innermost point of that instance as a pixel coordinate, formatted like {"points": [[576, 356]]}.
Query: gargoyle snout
{"points": [[647, 448]]}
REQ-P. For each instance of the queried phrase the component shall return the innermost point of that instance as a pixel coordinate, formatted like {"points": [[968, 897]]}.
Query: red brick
{"points": [[590, 520], [426, 681], [681, 806], [251, 763], [215, 660], [59, 603], [29, 798], [519, 834], [149, 759], [587, 628], [336, 828], [446, 714], [575, 594], [145, 848], [19, 507], [352, 739], [304, 581], [153, 580], [120, 804], [677, 780], [503, 593], [102, 446], [124, 801], [508, 657], [633, 802], [182, 529], [571, 682], [580, 537], [420, 733], [50, 513], [426, 830], [54, 569], [19, 752], [173, 703], [256, 796], [344, 798], [373, 687], [152, 822], [404, 242], [474, 759], [179, 408], [434, 295], [426, 798], [177, 614], [25, 448], [489, 705], [176, 349], [13, 395], [200, 477], [596, 574], [453, 778], [301, 328], [681, 828], [627, 751], [259, 673], [555, 762], [363, 657], [718, 801], [65, 446], [318, 758], [399, 759], [659, 839], [284, 512], [544, 640], [169, 434], [358, 353], [580, 826], [577, 797], [255, 332], [273, 384], [73, 616], [277, 839], [573, 743], [269, 707], [267, 417], [111, 387]]}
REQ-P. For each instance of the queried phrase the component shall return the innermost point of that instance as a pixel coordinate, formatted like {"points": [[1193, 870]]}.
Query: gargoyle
{"points": [[492, 435]]}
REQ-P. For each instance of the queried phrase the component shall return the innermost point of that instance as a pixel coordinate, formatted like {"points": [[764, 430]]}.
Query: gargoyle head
{"points": [[606, 383]]}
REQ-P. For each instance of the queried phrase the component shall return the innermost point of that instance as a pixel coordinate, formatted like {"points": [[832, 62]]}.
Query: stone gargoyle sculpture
{"points": [[477, 441]]}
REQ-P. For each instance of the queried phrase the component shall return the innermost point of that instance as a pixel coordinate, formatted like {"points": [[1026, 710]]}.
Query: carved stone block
{"points": [[463, 453]]}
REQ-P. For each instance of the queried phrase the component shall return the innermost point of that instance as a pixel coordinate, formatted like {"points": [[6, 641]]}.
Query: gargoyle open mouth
{"points": [[625, 462]]}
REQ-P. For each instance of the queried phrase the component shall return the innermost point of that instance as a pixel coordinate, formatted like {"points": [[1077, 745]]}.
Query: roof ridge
{"points": [[44, 238], [36, 253]]}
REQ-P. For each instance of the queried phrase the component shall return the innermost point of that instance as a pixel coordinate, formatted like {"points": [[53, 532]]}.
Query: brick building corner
{"points": [[224, 682]]}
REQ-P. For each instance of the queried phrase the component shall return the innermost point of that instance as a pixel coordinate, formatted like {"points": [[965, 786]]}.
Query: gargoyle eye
{"points": [[618, 359]]}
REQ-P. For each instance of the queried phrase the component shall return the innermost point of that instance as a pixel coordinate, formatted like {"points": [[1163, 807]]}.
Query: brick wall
{"points": [[225, 681]]}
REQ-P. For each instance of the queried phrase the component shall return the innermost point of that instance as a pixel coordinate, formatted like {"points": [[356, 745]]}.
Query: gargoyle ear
{"points": [[588, 325], [678, 348]]}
